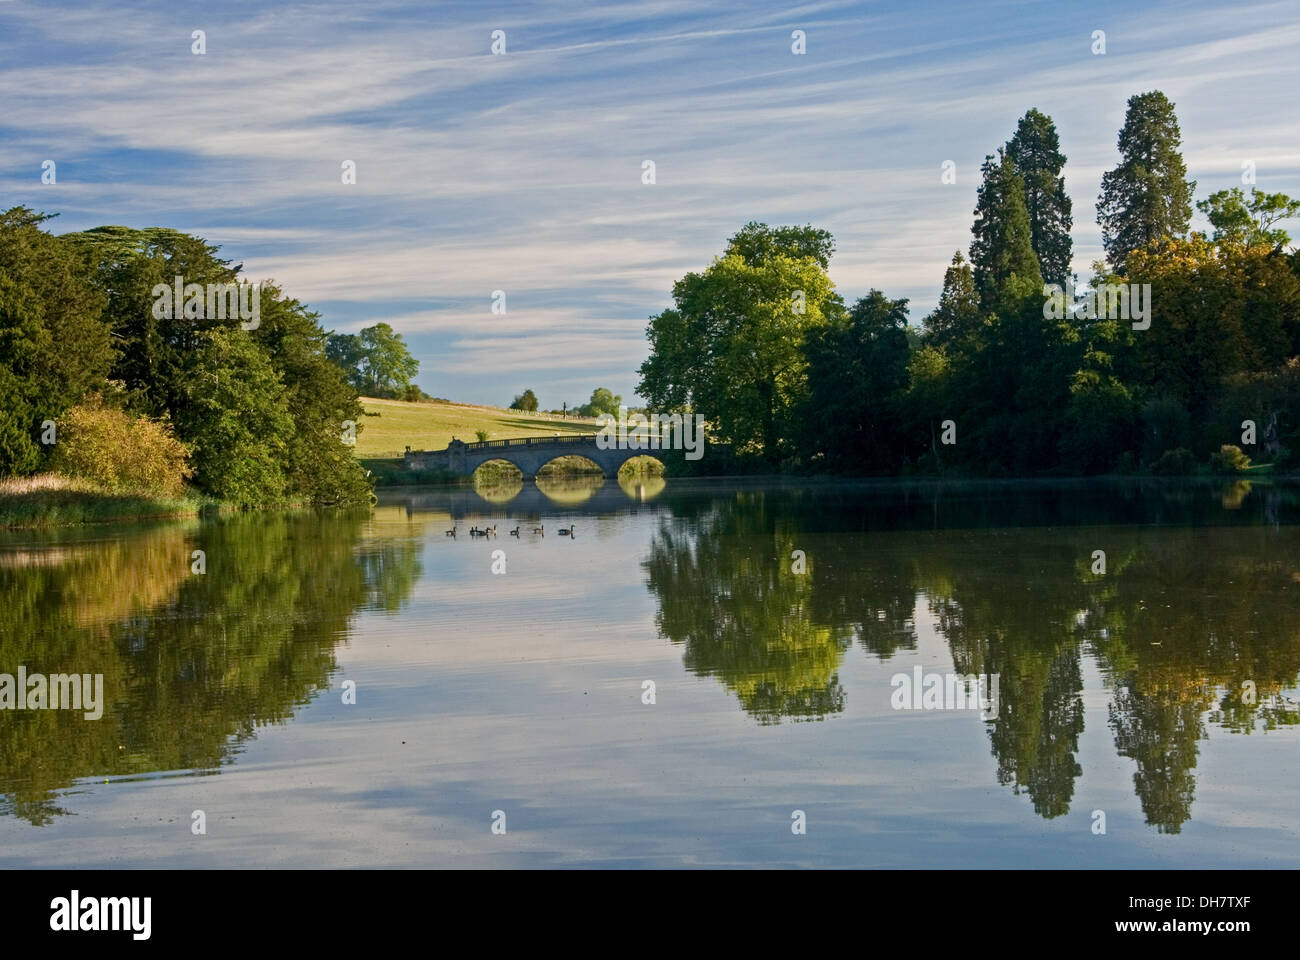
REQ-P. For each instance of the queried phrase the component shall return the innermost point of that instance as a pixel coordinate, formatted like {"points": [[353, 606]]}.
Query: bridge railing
{"points": [[532, 441]]}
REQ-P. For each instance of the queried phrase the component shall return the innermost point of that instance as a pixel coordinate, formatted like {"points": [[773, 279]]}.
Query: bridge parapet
{"points": [[529, 454]]}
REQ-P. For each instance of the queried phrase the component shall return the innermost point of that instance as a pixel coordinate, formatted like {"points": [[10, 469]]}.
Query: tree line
{"points": [[995, 381], [96, 380]]}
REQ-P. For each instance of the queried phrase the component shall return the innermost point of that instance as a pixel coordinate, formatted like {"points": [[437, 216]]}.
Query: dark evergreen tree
{"points": [[956, 320], [1147, 197], [1035, 151], [857, 371], [1002, 253]]}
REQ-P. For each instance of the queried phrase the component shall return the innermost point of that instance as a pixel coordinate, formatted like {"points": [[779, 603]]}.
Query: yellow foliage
{"points": [[119, 452]]}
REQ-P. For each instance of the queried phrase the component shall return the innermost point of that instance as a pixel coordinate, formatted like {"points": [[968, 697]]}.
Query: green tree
{"points": [[1147, 197], [1217, 310], [346, 352], [602, 400], [731, 348], [375, 361], [163, 361], [1002, 254], [388, 366], [1035, 150], [318, 464], [237, 421], [1249, 221], [55, 348], [956, 319], [524, 401], [857, 372], [156, 354]]}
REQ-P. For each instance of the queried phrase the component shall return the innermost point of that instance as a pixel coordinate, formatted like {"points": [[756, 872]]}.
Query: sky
{"points": [[522, 171]]}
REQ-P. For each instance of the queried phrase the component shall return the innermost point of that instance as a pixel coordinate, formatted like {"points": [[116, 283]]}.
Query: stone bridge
{"points": [[529, 454]]}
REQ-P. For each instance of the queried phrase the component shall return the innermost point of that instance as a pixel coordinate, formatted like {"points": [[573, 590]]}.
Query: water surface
{"points": [[1162, 692]]}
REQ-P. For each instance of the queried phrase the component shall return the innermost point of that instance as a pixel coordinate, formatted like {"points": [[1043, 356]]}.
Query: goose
{"points": [[541, 530], [451, 532], [567, 533], [476, 532], [514, 532]]}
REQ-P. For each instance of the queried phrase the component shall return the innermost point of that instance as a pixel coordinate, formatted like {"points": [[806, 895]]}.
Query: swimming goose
{"points": [[567, 533], [541, 530], [514, 532]]}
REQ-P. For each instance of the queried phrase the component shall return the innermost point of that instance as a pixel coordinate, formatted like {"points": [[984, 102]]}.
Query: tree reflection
{"points": [[193, 663], [1189, 627], [730, 596]]}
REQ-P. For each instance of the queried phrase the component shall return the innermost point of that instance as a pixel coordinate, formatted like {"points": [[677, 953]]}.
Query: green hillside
{"points": [[390, 426]]}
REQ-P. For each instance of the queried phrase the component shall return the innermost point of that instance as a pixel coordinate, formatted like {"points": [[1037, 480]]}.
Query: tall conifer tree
{"points": [[1147, 196], [1036, 152], [1002, 252]]}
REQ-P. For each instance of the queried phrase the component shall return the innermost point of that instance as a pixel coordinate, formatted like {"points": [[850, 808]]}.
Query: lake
{"points": [[706, 674]]}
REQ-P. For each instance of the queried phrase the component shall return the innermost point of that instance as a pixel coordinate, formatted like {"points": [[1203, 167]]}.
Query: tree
{"points": [[1217, 309], [1035, 152], [346, 352], [375, 361], [318, 464], [731, 346], [857, 371], [525, 401], [156, 355], [236, 420], [1002, 254], [602, 401], [956, 319], [55, 348], [169, 364], [1147, 197], [1249, 221], [388, 364]]}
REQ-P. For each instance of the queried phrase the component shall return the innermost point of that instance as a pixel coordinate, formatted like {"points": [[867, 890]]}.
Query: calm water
{"points": [[522, 692]]}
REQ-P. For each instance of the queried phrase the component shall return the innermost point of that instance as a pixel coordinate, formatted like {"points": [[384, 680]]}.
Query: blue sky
{"points": [[522, 172]]}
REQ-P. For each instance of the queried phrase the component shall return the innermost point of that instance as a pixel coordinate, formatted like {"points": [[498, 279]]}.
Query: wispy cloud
{"points": [[522, 172]]}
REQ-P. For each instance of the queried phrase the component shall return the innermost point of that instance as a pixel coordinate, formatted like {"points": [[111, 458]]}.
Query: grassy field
{"points": [[390, 426]]}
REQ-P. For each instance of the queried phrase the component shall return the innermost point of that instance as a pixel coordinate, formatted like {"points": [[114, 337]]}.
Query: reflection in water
{"points": [[775, 593], [1185, 621], [498, 486], [570, 490], [192, 663], [641, 487], [731, 599]]}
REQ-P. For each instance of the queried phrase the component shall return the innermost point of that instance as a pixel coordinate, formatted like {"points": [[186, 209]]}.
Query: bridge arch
{"points": [[530, 454]]}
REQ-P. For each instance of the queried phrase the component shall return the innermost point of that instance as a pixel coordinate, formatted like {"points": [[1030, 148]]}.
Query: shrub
{"points": [[1229, 459], [1175, 463], [119, 452], [482, 435]]}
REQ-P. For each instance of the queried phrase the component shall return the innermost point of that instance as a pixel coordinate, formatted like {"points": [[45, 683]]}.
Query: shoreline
{"points": [[48, 507]]}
